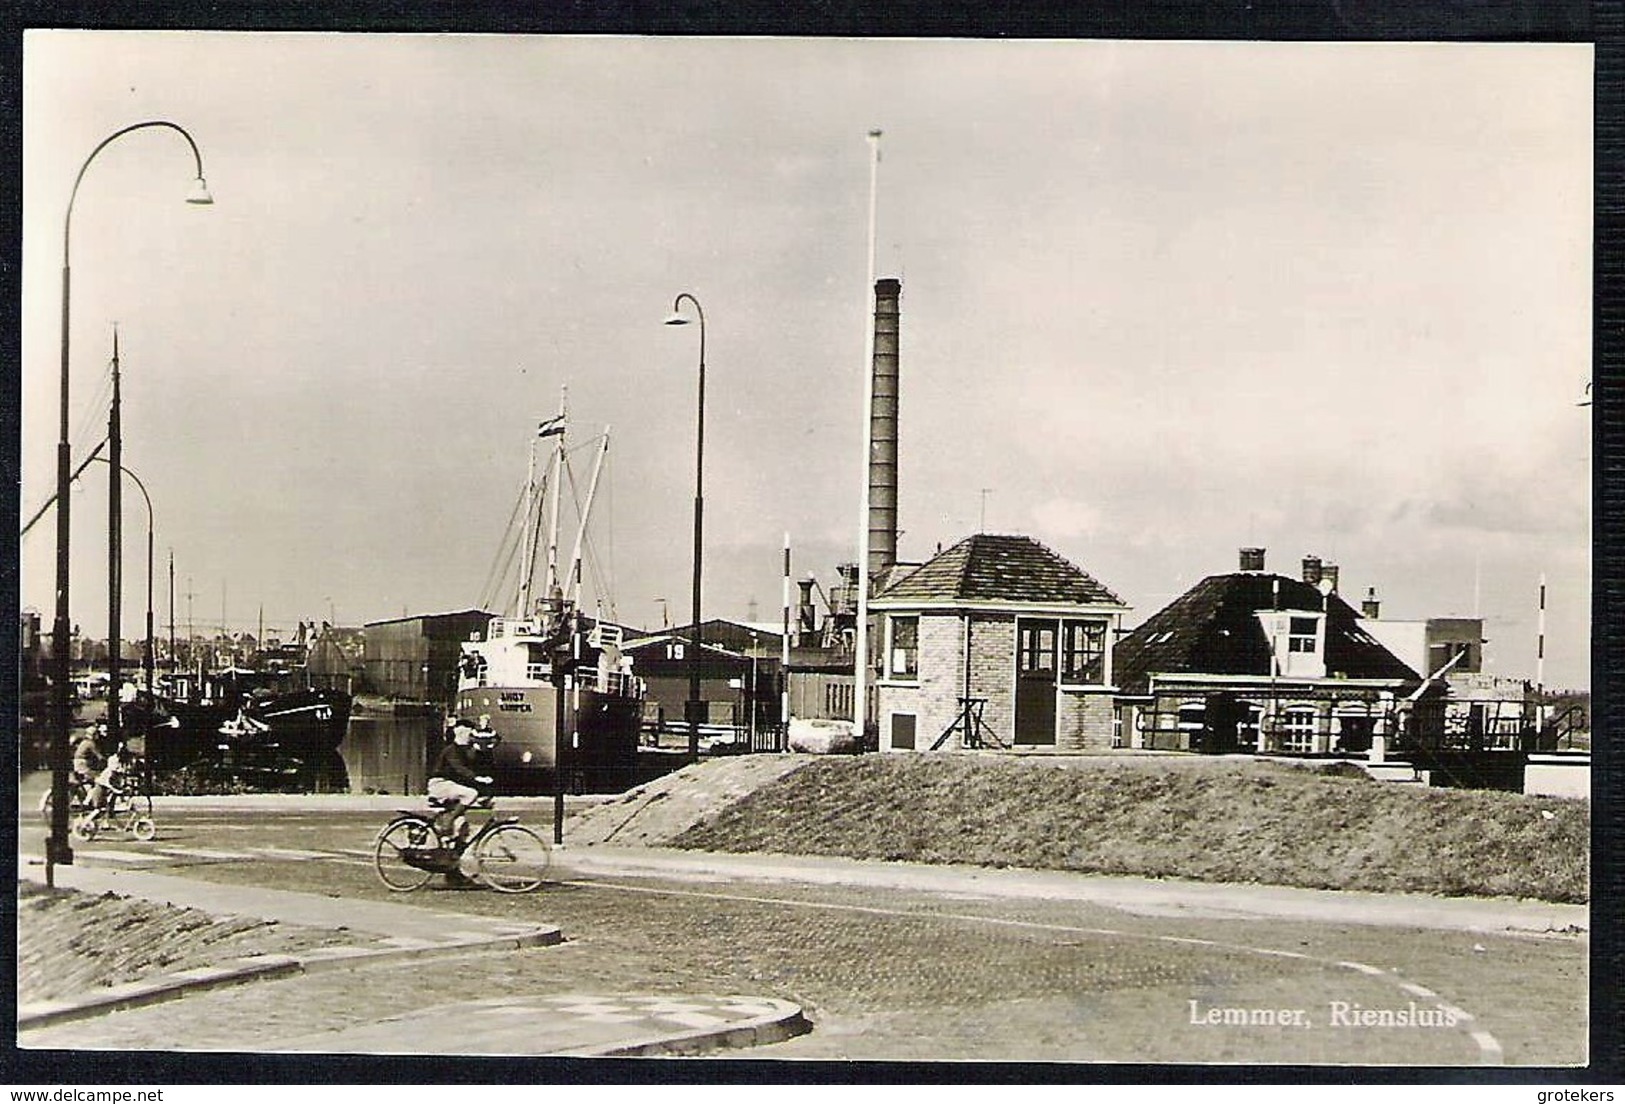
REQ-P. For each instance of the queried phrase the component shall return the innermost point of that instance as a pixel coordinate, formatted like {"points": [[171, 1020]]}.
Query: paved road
{"points": [[941, 967]]}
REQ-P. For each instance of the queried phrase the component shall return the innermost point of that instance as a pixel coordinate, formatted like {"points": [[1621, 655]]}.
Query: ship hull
{"points": [[302, 725], [598, 745], [305, 722]]}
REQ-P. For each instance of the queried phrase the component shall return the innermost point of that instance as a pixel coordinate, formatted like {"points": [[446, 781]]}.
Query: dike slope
{"points": [[653, 814], [1206, 819]]}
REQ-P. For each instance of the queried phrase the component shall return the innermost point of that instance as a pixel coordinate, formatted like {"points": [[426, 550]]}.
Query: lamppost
{"points": [[57, 848], [694, 704], [115, 556]]}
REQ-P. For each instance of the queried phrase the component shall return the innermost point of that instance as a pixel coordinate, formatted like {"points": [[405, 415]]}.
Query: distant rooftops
{"points": [[1213, 628], [993, 567]]}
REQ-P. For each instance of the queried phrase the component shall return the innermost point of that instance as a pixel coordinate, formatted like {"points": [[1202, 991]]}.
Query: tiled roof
{"points": [[1213, 629], [991, 567]]}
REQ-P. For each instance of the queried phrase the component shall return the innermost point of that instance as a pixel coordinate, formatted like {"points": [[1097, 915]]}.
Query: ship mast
{"points": [[527, 545], [530, 535], [581, 529], [558, 492]]}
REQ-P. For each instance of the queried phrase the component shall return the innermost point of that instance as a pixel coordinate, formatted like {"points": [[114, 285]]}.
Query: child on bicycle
{"points": [[109, 784]]}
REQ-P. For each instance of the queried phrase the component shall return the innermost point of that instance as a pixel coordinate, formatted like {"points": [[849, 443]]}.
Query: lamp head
{"points": [[675, 319], [199, 195]]}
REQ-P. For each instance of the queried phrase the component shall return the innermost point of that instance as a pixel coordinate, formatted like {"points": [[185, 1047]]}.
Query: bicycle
{"points": [[131, 812], [507, 856], [78, 800]]}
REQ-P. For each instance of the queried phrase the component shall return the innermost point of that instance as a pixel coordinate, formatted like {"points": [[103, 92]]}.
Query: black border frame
{"points": [[1601, 23]]}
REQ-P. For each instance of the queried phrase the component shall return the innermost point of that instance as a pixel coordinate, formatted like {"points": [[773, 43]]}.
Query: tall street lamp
{"points": [[694, 702], [57, 848], [115, 555]]}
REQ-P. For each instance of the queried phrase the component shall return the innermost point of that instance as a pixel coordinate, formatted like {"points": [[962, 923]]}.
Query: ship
{"points": [[549, 679], [251, 725]]}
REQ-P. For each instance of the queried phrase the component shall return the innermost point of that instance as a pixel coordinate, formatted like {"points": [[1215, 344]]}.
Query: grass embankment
{"points": [[1219, 821], [70, 942]]}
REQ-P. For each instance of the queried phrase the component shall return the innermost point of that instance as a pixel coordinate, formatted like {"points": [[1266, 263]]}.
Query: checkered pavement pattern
{"points": [[660, 1014]]}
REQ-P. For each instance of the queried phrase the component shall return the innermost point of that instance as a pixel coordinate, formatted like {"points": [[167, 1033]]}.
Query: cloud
{"points": [[1065, 517]]}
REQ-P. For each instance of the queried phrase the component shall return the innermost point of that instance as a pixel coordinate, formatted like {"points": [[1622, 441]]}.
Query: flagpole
{"points": [[860, 644], [784, 649], [558, 493]]}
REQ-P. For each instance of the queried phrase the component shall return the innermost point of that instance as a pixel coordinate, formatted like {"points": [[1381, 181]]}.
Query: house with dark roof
{"points": [[997, 642], [1254, 661]]}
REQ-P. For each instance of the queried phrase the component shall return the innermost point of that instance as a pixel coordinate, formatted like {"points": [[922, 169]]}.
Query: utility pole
{"points": [[191, 629], [172, 655], [115, 555], [1540, 659]]}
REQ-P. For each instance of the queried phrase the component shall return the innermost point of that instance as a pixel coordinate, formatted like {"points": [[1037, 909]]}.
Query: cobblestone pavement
{"points": [[885, 972], [903, 975]]}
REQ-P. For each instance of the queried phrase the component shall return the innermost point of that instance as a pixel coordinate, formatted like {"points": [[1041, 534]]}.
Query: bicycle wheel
{"points": [[400, 843], [144, 829], [85, 826], [511, 858]]}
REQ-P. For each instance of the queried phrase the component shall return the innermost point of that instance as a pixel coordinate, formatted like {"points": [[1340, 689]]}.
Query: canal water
{"points": [[387, 746]]}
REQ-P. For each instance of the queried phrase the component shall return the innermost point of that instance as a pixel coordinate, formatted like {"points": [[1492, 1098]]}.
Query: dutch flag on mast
{"points": [[551, 427]]}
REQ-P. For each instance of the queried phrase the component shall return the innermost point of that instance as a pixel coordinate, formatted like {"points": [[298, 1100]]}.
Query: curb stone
{"points": [[786, 1021], [464, 935], [565, 1025], [250, 968]]}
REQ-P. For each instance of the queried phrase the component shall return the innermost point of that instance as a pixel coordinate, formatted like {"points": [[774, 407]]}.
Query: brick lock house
{"points": [[1253, 661], [1007, 625]]}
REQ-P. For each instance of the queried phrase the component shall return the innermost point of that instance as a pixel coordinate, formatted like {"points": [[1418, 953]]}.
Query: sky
{"points": [[1160, 301]]}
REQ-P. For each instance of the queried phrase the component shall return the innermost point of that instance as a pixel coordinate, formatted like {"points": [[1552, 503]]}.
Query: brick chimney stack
{"points": [[883, 431], [1311, 570], [1252, 559], [806, 614]]}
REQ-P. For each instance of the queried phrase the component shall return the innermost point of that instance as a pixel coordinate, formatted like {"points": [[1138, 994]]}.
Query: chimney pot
{"points": [[1370, 607], [1311, 570]]}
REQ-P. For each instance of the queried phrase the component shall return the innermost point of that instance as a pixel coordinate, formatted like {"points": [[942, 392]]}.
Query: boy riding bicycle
{"points": [[461, 779], [110, 783]]}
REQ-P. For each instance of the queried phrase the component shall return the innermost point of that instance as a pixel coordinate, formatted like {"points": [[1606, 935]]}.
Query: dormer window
{"points": [[1297, 641], [1301, 635]]}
